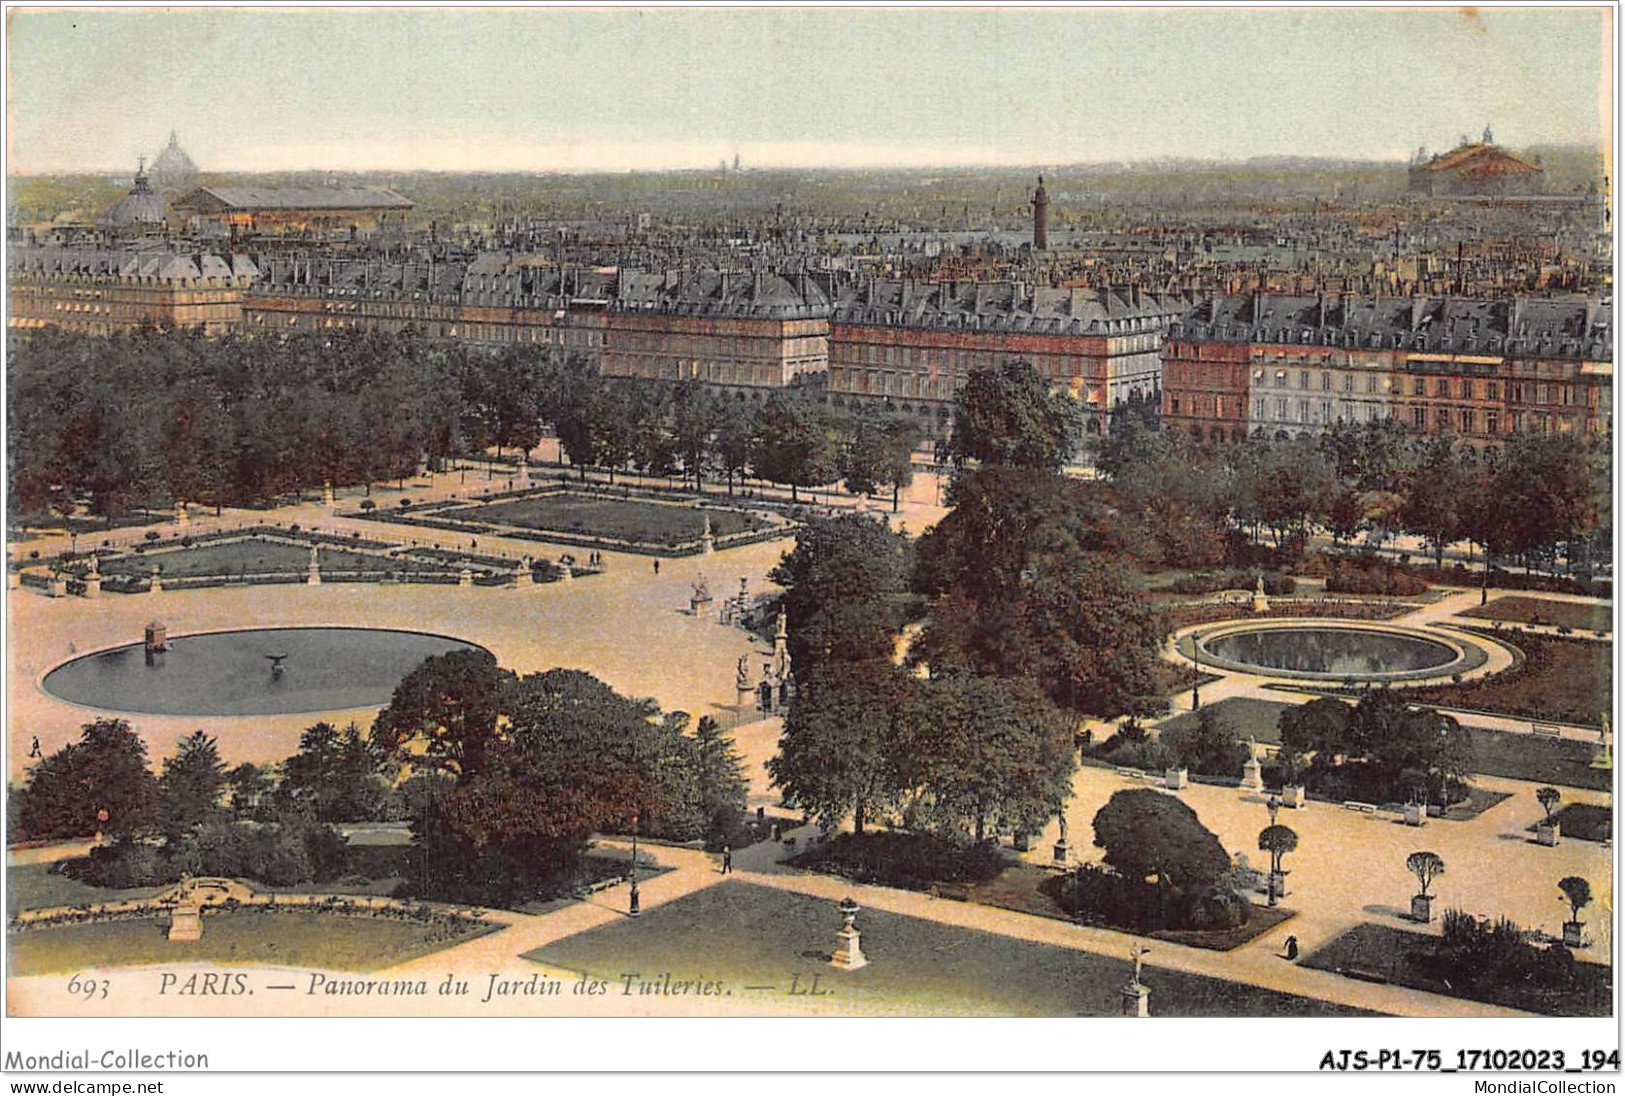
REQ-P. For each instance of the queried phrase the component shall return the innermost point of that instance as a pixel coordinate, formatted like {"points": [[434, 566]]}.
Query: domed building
{"points": [[138, 213], [173, 170]]}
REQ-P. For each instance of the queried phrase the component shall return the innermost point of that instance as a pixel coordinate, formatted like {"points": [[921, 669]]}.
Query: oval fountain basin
{"points": [[230, 673], [1329, 652]]}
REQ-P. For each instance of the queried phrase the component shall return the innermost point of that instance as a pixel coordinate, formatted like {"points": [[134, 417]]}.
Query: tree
{"points": [[799, 443], [443, 715], [336, 775], [1435, 495], [1548, 798], [1577, 892], [982, 750], [1150, 835], [1209, 747], [882, 454], [1319, 727], [842, 585], [1277, 841], [99, 784], [842, 742], [735, 440], [247, 787], [189, 789], [1027, 586], [1427, 867], [720, 785], [1010, 415]]}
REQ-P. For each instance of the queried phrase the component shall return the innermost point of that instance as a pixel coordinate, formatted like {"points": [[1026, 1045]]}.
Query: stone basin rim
{"points": [[1461, 650], [107, 648]]}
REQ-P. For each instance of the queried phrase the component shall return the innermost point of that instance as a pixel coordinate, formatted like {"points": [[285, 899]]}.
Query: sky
{"points": [[550, 89]]}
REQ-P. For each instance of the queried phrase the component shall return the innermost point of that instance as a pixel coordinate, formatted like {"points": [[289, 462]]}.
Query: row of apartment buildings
{"points": [[1289, 366], [1221, 368]]}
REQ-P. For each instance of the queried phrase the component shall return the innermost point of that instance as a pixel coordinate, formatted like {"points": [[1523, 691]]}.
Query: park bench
{"points": [[1356, 805], [1545, 730], [1131, 774]]}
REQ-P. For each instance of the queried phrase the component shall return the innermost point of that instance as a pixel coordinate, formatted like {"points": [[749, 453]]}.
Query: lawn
{"points": [[1584, 822], [1542, 760], [331, 941], [254, 556], [1244, 715], [1495, 753], [1561, 680], [36, 886], [1536, 610], [1379, 953], [629, 520], [749, 936]]}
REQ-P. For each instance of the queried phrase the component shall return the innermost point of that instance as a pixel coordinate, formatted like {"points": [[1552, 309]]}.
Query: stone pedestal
{"points": [[1252, 776], [313, 575], [1021, 842], [1176, 780], [465, 578], [1136, 999], [849, 952], [524, 576], [1549, 834], [14, 580], [1293, 796], [181, 516], [849, 948], [59, 586], [327, 496], [1573, 935], [1261, 604], [1277, 886], [185, 923], [1422, 908], [1416, 814], [93, 585], [157, 585], [1062, 851]]}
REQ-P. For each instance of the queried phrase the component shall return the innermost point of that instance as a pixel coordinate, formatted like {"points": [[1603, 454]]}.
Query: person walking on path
{"points": [[657, 566], [1292, 948], [34, 750], [727, 860]]}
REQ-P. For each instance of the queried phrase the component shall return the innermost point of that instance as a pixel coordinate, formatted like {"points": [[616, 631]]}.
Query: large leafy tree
{"points": [[190, 787], [1024, 589], [337, 775], [1435, 494], [99, 784], [844, 741], [842, 585], [799, 443], [882, 455], [1010, 415], [1148, 835], [983, 751], [443, 715]]}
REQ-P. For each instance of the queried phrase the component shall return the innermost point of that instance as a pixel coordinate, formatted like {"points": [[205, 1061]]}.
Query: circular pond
{"points": [[1330, 652], [260, 671]]}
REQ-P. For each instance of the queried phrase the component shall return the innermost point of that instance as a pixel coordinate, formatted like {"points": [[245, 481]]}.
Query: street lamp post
{"points": [[1196, 660], [632, 907]]}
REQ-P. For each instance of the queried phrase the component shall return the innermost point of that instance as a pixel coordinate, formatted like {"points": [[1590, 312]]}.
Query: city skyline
{"points": [[549, 90]]}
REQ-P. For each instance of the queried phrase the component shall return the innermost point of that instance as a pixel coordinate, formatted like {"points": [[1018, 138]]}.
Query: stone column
{"points": [[313, 571]]}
